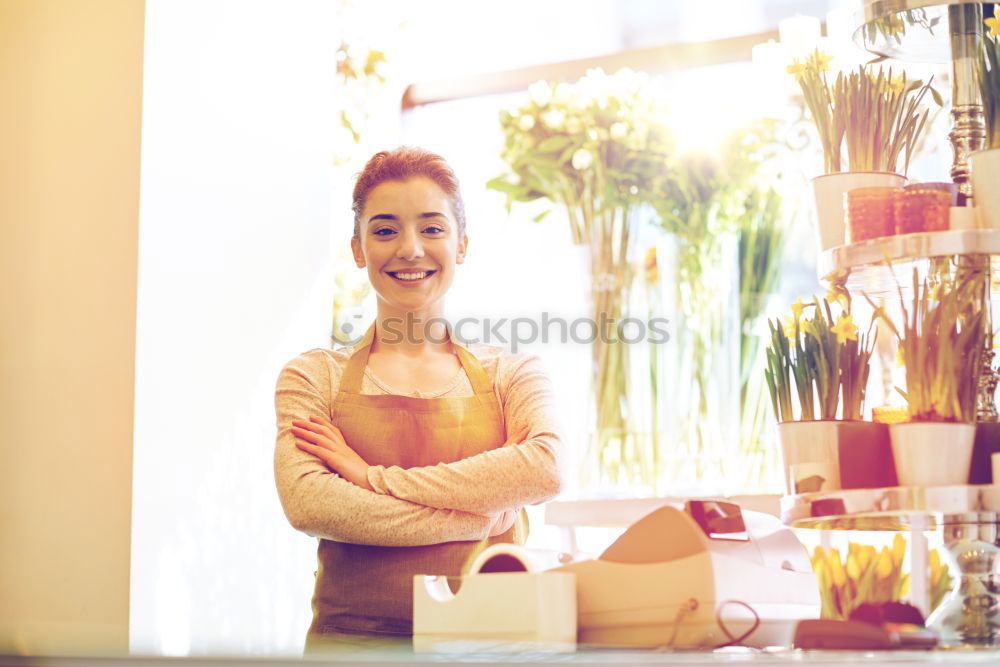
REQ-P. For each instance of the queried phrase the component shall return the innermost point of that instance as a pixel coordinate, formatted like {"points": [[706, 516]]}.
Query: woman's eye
{"points": [[434, 229], [378, 232]]}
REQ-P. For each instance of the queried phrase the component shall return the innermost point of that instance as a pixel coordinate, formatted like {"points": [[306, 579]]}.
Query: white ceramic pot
{"points": [[932, 453], [829, 191], [810, 448], [985, 171]]}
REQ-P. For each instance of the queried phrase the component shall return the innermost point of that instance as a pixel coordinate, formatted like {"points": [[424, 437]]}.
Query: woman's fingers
{"points": [[321, 453], [321, 427], [306, 435]]}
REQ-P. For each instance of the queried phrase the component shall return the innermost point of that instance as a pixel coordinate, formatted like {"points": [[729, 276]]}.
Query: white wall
{"points": [[233, 282]]}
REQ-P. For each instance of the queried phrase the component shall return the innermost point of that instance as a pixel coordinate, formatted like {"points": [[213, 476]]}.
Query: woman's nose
{"points": [[409, 246]]}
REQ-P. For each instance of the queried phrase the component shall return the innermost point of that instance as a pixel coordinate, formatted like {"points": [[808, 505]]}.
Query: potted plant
{"points": [[941, 343], [823, 363], [876, 117], [985, 164]]}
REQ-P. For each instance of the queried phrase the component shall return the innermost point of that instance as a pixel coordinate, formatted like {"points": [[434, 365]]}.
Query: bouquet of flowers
{"points": [[593, 146], [597, 149]]}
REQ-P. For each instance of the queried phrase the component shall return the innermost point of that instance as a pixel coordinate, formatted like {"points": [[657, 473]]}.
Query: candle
{"points": [[839, 26], [870, 213], [799, 34]]}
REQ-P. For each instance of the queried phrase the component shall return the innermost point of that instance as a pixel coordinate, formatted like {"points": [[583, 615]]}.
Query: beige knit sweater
{"points": [[463, 500]]}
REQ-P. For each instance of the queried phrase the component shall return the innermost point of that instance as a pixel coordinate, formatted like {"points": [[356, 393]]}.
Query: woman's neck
{"points": [[411, 333]]}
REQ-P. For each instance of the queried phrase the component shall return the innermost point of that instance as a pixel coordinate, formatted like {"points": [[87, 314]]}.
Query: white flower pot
{"points": [[985, 168], [829, 191], [807, 448], [932, 453]]}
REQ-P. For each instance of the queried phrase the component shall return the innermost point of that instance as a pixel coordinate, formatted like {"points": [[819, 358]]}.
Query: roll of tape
{"points": [[503, 558]]}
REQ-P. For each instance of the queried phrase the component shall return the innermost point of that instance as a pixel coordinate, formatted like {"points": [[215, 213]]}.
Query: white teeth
{"points": [[411, 276]]}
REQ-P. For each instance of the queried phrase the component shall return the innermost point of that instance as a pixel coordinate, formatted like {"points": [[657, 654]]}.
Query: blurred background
{"points": [[175, 205]]}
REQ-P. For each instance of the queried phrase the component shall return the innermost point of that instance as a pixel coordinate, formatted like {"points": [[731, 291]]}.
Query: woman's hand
{"points": [[325, 441], [518, 437]]}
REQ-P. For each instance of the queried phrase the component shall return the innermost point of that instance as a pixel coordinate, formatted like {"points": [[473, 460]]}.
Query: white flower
{"points": [[618, 130], [554, 119], [592, 134], [573, 125], [582, 159], [540, 93], [581, 102], [526, 122], [561, 93], [513, 178]]}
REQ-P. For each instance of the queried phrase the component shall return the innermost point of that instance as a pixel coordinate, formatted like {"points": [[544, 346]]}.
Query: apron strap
{"points": [[355, 369]]}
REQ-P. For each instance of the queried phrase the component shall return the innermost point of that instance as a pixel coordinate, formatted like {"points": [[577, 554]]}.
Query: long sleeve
{"points": [[499, 479], [323, 504]]}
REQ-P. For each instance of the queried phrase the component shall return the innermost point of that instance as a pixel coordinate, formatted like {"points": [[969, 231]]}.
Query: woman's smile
{"points": [[410, 278]]}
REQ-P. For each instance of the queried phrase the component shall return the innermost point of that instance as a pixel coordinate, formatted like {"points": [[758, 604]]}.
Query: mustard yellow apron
{"points": [[366, 589]]}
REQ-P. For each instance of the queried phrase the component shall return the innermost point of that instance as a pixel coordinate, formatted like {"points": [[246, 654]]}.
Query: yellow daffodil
{"points": [[934, 562], [821, 61], [853, 568], [788, 326], [796, 68], [994, 23], [897, 83], [798, 307], [898, 549], [836, 568], [884, 567], [844, 329], [838, 296], [865, 556]]}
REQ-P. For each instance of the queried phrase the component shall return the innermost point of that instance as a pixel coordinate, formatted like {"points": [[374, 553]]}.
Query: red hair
{"points": [[402, 164]]}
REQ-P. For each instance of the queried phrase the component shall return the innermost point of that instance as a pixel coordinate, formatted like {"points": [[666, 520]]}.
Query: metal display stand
{"points": [[968, 516]]}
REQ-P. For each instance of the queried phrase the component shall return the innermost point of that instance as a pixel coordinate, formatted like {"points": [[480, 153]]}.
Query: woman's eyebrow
{"points": [[390, 216]]}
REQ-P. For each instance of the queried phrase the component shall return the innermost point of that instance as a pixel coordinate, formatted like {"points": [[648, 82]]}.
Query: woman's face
{"points": [[409, 243]]}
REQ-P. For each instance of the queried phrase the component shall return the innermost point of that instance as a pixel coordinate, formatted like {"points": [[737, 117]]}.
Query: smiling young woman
{"points": [[404, 452]]}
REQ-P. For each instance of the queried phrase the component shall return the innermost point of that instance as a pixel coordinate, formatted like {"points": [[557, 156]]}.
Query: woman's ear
{"points": [[462, 246], [359, 257]]}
